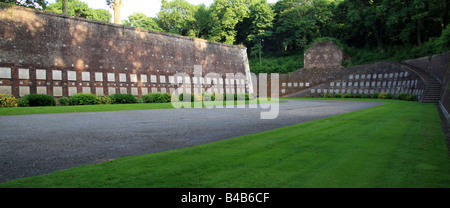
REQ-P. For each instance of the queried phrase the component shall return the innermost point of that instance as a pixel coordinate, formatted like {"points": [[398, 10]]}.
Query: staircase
{"points": [[433, 90]]}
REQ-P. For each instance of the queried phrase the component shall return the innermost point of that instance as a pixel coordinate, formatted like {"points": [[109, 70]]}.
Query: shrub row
{"points": [[91, 99], [401, 96]]}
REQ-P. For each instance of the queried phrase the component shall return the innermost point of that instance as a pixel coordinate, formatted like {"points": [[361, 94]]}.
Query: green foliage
{"points": [[7, 100], [83, 99], [186, 97], [156, 98], [65, 101], [328, 95], [78, 8], [349, 95], [27, 3], [103, 99], [375, 95], [338, 95], [276, 64], [122, 98], [39, 100], [140, 20]]}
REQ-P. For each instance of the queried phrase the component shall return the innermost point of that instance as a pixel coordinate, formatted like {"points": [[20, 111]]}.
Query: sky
{"points": [[147, 7]]}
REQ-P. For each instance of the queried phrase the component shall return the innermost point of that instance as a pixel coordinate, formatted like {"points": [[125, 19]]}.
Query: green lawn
{"points": [[100, 108], [398, 144]]}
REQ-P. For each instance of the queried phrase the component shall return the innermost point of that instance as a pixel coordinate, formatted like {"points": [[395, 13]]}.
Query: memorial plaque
{"points": [[144, 90], [123, 90], [350, 77], [86, 89], [307, 84], [85, 76], [41, 74], [5, 73], [144, 78], [163, 90], [133, 77], [25, 90], [122, 77], [72, 91], [111, 77], [24, 74], [331, 84], [111, 90], [41, 90], [99, 77], [57, 91], [171, 80], [153, 79], [99, 91], [57, 75], [154, 89], [134, 91]]}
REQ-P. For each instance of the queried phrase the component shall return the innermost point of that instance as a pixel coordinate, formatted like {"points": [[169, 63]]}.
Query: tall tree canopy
{"points": [[78, 8], [142, 21], [28, 3]]}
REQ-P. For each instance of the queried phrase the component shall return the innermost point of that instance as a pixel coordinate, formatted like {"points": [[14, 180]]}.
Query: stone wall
{"points": [[439, 66], [42, 52], [365, 79]]}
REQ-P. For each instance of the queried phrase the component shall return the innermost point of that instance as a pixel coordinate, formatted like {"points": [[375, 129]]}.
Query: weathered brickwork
{"points": [[42, 52], [324, 54]]}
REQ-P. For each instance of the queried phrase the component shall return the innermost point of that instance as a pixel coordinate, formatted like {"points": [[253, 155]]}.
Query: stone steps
{"points": [[433, 90]]}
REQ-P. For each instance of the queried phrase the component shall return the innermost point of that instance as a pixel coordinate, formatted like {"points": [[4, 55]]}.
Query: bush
{"points": [[103, 99], [375, 95], [338, 95], [390, 96], [7, 100], [64, 101], [382, 96], [241, 96], [186, 95], [156, 98], [208, 97], [39, 100], [349, 95], [407, 97], [328, 95], [122, 98], [84, 99]]}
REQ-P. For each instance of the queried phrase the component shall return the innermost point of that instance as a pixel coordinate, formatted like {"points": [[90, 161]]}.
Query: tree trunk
{"points": [[118, 4], [64, 8]]}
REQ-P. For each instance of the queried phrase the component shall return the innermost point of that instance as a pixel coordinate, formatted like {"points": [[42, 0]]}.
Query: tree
{"points": [[64, 8], [261, 18], [27, 3], [176, 16], [80, 9], [116, 5], [225, 15], [142, 21]]}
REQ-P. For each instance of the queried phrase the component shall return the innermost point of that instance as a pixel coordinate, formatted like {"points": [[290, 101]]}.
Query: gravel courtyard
{"points": [[39, 144]]}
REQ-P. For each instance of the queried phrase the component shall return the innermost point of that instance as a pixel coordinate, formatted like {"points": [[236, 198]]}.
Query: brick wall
{"points": [[42, 52]]}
